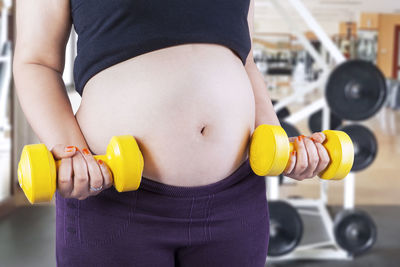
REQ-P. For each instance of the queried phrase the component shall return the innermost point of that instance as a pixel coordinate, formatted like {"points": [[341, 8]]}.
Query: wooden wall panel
{"points": [[386, 35]]}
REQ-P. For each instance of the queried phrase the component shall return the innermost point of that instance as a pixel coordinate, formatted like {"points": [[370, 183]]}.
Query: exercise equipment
{"points": [[355, 231], [270, 150], [393, 94], [315, 121], [289, 129], [280, 64], [37, 169], [283, 113], [326, 248], [365, 145], [286, 228], [356, 90]]}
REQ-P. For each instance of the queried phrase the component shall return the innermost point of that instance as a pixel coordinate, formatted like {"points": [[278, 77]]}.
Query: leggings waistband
{"points": [[182, 191]]}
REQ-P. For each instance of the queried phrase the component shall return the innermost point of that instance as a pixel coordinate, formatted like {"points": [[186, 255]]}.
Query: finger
{"points": [[318, 137], [324, 158], [302, 158], [107, 174], [81, 177], [313, 158], [65, 182], [292, 162], [292, 139], [95, 175], [60, 151]]}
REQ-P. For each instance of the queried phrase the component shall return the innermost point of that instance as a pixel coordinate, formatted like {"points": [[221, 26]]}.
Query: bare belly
{"points": [[190, 107]]}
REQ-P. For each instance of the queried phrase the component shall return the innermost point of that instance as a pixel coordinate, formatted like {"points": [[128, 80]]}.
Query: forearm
{"points": [[265, 113], [44, 101]]}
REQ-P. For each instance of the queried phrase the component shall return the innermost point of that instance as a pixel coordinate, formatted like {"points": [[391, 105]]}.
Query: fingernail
{"points": [[85, 151], [100, 162], [312, 139], [77, 149], [299, 138], [292, 154], [69, 149]]}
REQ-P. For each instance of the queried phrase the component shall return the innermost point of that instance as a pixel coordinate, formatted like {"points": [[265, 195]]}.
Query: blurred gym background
{"points": [[327, 64]]}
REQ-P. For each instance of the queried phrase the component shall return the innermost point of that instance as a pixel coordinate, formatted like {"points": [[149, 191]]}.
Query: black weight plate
{"points": [[283, 113], [290, 129], [356, 90], [365, 145], [315, 121], [286, 228], [355, 231]]}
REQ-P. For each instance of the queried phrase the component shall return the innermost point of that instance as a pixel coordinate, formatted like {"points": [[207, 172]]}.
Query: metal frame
{"points": [[5, 89], [5, 84], [6, 59], [7, 4], [327, 249], [323, 250]]}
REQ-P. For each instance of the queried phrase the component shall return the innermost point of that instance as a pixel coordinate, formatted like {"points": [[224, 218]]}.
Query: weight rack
{"points": [[327, 248], [313, 208]]}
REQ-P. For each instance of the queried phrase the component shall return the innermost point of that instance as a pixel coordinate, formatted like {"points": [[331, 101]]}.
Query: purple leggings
{"points": [[221, 224]]}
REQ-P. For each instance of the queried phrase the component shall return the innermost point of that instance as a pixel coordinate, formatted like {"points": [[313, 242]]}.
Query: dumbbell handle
{"points": [[327, 174], [291, 149], [57, 164], [97, 157]]}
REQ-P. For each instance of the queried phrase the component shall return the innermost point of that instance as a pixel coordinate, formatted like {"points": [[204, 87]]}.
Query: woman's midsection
{"points": [[190, 108]]}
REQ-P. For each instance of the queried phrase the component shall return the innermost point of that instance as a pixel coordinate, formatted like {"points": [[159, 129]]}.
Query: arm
{"points": [[265, 113], [310, 157], [43, 28]]}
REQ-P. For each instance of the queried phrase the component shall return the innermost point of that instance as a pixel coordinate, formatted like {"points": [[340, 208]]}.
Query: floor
{"points": [[27, 236], [385, 252]]}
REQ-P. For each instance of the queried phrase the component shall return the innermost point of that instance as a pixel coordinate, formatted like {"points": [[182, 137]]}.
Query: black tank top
{"points": [[111, 31]]}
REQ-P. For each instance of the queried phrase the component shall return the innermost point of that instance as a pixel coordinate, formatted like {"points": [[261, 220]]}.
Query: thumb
{"points": [[60, 151]]}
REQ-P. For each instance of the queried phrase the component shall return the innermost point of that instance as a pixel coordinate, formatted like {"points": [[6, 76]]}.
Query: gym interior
{"points": [[327, 64]]}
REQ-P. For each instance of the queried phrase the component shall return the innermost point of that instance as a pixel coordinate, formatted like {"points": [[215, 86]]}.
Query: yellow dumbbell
{"points": [[270, 150], [37, 169]]}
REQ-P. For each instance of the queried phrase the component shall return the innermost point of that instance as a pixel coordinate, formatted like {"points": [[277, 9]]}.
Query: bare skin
{"points": [[192, 108]]}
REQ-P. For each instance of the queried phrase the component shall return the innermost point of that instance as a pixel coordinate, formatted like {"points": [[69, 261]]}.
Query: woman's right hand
{"points": [[80, 175]]}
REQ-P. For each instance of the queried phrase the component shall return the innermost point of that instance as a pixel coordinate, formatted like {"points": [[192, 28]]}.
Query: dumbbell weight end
{"points": [[37, 161], [269, 150], [341, 152]]}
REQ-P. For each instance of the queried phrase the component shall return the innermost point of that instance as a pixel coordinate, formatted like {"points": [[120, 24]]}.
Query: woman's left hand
{"points": [[309, 158]]}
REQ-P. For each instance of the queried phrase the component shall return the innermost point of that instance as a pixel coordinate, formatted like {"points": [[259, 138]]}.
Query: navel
{"points": [[202, 130]]}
